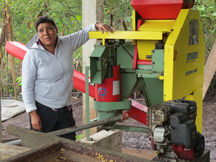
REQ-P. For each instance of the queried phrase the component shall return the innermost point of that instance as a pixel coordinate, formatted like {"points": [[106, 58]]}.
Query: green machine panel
{"points": [[101, 62]]}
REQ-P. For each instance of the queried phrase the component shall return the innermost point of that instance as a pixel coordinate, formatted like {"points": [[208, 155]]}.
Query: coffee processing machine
{"points": [[164, 55], [166, 59]]}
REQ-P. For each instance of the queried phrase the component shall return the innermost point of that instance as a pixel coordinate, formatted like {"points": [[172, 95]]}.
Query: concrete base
{"points": [[111, 140], [7, 151]]}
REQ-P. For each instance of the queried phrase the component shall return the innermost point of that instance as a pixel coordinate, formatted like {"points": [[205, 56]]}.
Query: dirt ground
{"points": [[138, 141]]}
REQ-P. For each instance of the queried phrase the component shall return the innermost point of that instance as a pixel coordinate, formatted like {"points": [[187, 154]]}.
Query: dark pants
{"points": [[55, 120]]}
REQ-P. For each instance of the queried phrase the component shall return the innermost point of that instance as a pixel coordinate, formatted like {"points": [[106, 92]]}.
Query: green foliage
{"points": [[79, 137], [66, 13], [121, 10], [6, 82], [78, 59], [19, 81]]}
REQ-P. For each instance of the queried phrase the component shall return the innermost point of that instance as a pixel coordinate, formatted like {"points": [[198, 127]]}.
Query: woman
{"points": [[47, 73]]}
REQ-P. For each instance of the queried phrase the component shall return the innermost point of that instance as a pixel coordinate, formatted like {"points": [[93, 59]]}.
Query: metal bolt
{"points": [[112, 56]]}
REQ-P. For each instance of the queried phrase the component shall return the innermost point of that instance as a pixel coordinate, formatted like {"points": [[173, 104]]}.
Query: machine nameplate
{"points": [[192, 56], [116, 89], [191, 72]]}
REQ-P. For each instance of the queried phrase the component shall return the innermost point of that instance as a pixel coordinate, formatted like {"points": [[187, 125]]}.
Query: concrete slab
{"points": [[10, 108], [7, 151], [111, 140]]}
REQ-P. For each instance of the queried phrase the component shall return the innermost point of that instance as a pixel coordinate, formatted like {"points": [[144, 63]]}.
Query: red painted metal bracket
{"points": [[144, 62], [138, 112]]}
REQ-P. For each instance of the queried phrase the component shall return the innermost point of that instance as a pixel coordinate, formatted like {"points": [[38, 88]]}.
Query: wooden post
{"points": [[1, 57], [209, 70], [2, 41], [9, 37], [92, 11]]}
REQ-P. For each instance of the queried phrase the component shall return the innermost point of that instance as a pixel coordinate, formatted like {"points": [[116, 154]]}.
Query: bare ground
{"points": [[139, 141]]}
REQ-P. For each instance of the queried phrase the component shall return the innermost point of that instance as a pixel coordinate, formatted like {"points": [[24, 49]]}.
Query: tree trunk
{"points": [[9, 37], [1, 57]]}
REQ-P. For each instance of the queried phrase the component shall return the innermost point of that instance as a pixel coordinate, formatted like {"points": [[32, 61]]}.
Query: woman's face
{"points": [[47, 34]]}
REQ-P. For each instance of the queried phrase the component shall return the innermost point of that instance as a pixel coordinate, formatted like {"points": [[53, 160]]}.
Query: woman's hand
{"points": [[36, 121], [103, 27]]}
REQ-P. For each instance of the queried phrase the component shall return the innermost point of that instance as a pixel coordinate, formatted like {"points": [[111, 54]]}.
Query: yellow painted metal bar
{"points": [[134, 24], [135, 35], [160, 77], [169, 57], [165, 26], [169, 72], [197, 96], [134, 20], [103, 41]]}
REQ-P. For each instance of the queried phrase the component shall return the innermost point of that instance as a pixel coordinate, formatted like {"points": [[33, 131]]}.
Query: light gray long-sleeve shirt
{"points": [[47, 78]]}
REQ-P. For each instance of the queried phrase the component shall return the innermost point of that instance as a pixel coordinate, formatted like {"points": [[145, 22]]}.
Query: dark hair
{"points": [[44, 19]]}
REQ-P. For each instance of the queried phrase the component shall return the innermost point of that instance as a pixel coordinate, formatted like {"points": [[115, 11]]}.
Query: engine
{"points": [[173, 131]]}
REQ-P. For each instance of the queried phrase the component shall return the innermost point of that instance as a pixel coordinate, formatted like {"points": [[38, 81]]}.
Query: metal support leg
{"points": [[197, 96], [87, 68]]}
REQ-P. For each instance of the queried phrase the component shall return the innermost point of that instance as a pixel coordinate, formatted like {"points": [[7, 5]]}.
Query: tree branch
{"points": [[73, 15]]}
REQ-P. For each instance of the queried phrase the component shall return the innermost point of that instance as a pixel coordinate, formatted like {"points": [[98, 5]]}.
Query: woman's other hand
{"points": [[36, 121]]}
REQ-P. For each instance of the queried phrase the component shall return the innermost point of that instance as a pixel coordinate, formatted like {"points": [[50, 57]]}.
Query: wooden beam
{"points": [[209, 70]]}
